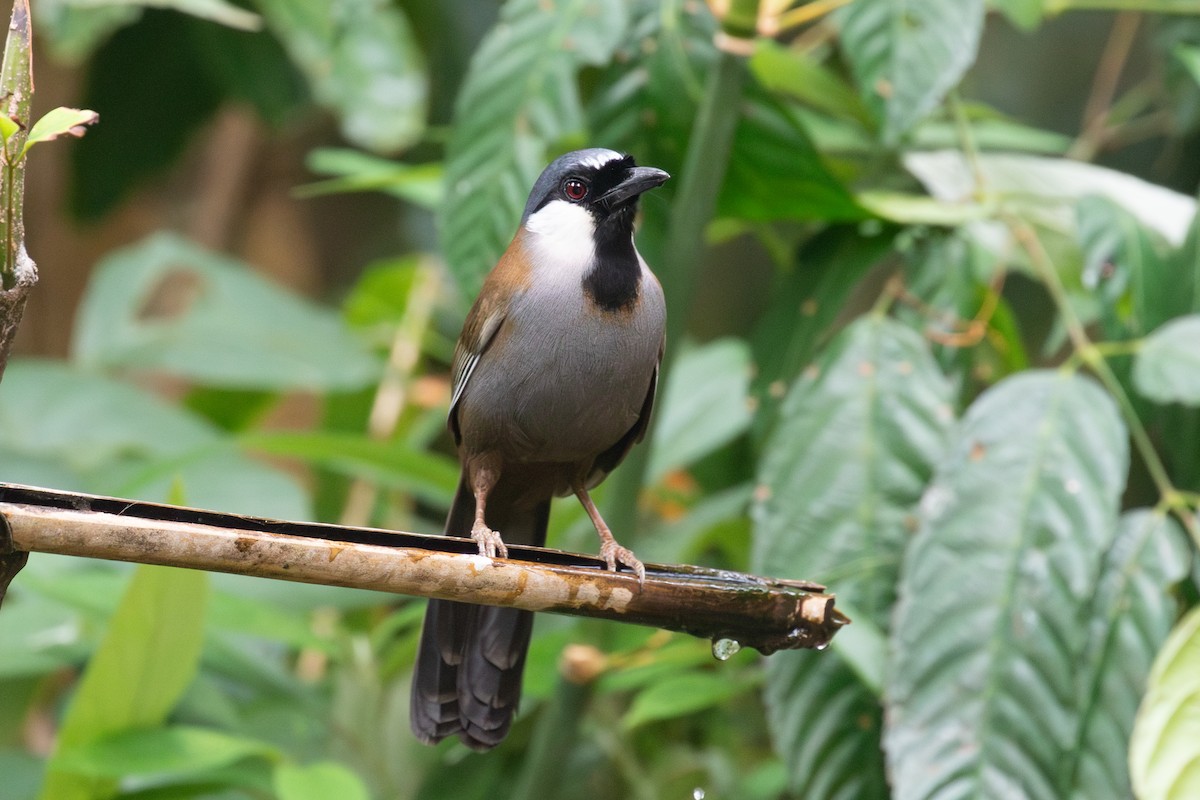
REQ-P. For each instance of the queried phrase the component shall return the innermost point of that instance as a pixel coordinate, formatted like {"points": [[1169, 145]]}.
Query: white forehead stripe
{"points": [[599, 159]]}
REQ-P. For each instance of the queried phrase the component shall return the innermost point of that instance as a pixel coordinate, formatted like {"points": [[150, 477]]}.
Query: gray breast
{"points": [[562, 383]]}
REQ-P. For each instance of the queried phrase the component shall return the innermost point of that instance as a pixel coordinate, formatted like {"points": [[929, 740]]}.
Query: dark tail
{"points": [[467, 678]]}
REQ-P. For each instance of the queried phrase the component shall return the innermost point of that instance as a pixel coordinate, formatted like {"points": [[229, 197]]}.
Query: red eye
{"points": [[575, 190]]}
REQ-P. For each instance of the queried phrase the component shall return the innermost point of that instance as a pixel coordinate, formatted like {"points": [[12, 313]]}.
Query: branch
{"points": [[18, 273], [766, 614]]}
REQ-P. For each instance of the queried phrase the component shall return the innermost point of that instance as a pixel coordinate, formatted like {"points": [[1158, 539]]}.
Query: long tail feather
{"points": [[467, 678]]}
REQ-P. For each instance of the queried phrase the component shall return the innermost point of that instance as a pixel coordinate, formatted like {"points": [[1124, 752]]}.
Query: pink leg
{"points": [[483, 477], [610, 551]]}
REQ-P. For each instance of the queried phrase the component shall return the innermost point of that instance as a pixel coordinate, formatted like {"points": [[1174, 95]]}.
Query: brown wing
{"points": [[508, 278]]}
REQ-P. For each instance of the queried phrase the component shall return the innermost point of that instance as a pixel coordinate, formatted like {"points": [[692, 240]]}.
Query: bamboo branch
{"points": [[766, 614]]}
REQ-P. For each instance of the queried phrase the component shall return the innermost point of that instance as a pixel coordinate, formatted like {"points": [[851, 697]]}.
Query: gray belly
{"points": [[563, 390]]}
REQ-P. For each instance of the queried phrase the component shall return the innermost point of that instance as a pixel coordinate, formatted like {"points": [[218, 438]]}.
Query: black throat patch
{"points": [[615, 277]]}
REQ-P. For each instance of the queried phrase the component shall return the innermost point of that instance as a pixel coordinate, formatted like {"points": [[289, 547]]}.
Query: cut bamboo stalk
{"points": [[756, 612]]}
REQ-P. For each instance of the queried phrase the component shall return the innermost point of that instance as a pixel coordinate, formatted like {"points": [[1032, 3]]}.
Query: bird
{"points": [[553, 381]]}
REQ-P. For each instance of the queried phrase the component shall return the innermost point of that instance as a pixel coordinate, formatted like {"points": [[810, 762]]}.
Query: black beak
{"points": [[637, 180]]}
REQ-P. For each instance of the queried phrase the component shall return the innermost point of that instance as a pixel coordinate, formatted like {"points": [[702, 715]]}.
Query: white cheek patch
{"points": [[562, 240]]}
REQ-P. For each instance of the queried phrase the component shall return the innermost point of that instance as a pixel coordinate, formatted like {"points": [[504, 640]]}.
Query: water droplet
{"points": [[698, 793], [822, 646], [723, 650]]}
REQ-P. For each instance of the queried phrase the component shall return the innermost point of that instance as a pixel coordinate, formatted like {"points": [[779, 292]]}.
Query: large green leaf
{"points": [[175, 751], [148, 657], [648, 97], [806, 301], [705, 404], [167, 304], [319, 781], [983, 696], [906, 54], [108, 437], [1164, 759], [1128, 266], [679, 694], [856, 443], [519, 99], [798, 75], [1167, 368], [430, 476], [362, 62], [826, 726], [1132, 613], [775, 172], [1047, 190]]}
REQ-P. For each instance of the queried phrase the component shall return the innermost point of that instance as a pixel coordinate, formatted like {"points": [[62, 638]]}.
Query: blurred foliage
{"points": [[942, 356]]}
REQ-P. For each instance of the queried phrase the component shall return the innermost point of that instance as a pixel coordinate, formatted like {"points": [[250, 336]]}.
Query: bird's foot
{"points": [[489, 541], [613, 553]]}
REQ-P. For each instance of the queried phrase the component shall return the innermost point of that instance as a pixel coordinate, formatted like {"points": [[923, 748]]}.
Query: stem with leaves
{"points": [[1093, 355], [700, 182], [16, 91]]}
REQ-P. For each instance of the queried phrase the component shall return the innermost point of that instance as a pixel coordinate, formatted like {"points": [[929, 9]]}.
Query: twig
{"points": [[765, 614], [1089, 353], [1104, 86]]}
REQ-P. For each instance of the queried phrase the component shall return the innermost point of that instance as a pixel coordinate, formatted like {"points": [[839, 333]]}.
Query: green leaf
{"points": [[1140, 287], [166, 304], [428, 475], [856, 442], [162, 752], [1164, 758], [799, 76], [1167, 367], [59, 122], [1026, 14], [1046, 190], [775, 172], [7, 126], [380, 296], [70, 32], [1004, 565], [680, 694], [320, 781], [40, 636], [1053, 7], [419, 184], [647, 98], [704, 405], [362, 62], [1187, 261], [148, 657], [217, 11], [807, 300], [119, 440], [906, 55], [826, 726], [1132, 613], [1189, 57], [519, 100]]}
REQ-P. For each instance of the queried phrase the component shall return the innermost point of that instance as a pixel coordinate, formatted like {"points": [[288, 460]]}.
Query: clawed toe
{"points": [[489, 541], [612, 553]]}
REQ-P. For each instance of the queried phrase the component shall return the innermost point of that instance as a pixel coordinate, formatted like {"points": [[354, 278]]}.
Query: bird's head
{"points": [[591, 192]]}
